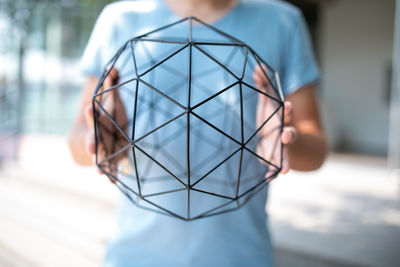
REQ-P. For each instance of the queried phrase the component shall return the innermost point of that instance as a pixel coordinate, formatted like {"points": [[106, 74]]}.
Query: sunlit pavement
{"points": [[54, 213], [348, 211]]}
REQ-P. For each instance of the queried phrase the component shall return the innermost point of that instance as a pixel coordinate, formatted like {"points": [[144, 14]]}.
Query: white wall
{"points": [[355, 41]]}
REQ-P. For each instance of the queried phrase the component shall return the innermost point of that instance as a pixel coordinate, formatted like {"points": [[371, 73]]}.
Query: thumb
{"points": [[90, 146], [285, 161], [112, 78], [90, 143]]}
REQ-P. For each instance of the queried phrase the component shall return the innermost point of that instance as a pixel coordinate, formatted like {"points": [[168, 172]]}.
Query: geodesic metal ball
{"points": [[184, 130]]}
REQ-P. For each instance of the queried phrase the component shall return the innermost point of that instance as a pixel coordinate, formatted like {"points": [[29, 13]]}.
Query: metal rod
{"points": [[188, 121], [163, 60]]}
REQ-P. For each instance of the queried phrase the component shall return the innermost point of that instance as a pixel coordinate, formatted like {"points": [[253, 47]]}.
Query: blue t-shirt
{"points": [[277, 32]]}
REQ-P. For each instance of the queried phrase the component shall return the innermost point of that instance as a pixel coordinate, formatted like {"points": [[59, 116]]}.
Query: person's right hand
{"points": [[268, 145], [110, 139]]}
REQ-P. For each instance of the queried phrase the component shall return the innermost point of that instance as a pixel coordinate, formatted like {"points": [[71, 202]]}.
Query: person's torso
{"points": [[235, 238]]}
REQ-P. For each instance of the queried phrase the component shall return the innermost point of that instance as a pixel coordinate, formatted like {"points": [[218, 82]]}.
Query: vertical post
{"points": [[21, 95], [394, 125]]}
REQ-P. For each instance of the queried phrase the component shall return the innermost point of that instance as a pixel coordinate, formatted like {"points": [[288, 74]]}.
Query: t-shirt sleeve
{"points": [[299, 65], [97, 51]]}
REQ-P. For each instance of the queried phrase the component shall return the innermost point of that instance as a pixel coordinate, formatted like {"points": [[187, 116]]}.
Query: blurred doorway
{"points": [[353, 41]]}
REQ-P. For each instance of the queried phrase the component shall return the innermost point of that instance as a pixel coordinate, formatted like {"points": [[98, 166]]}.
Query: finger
{"points": [[288, 111], [259, 77], [111, 79], [107, 166], [289, 135], [271, 174], [112, 172], [284, 168], [114, 75], [90, 143], [285, 161], [100, 158], [112, 99], [99, 171], [258, 73], [114, 81]]}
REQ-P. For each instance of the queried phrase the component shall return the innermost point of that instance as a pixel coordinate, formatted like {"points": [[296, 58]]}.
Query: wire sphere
{"points": [[197, 137]]}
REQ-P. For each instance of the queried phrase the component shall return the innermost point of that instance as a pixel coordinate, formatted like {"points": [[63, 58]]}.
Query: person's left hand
{"points": [[111, 142], [264, 108]]}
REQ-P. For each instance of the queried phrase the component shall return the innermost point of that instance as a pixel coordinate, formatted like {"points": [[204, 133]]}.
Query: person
{"points": [[277, 31]]}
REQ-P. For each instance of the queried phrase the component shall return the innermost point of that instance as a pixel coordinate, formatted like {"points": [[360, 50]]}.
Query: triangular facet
{"points": [[252, 172], [170, 77], [224, 112], [222, 178], [231, 56], [154, 178], [208, 77], [115, 106], [148, 54], [126, 173], [202, 203], [167, 147], [267, 142], [124, 64], [272, 78], [153, 111], [111, 155], [258, 109], [267, 75], [174, 203], [253, 194]]}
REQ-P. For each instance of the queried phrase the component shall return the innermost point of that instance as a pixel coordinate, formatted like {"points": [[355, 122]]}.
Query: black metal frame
{"points": [[187, 111]]}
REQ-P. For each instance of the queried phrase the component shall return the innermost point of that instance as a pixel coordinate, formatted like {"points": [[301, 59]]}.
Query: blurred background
{"points": [[54, 213]]}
